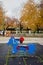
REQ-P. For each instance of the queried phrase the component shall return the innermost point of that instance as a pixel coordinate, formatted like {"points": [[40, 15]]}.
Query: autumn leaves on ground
{"points": [[31, 17]]}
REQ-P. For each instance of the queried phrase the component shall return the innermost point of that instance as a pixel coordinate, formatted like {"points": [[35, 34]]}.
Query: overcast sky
{"points": [[13, 7]]}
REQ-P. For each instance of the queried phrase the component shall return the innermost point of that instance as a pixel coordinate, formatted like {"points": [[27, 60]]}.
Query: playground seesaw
{"points": [[21, 49]]}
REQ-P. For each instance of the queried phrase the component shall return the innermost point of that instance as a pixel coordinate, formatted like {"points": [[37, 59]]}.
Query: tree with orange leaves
{"points": [[1, 17], [31, 16]]}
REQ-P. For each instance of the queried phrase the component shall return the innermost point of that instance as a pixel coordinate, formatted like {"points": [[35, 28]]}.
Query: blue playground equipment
{"points": [[16, 47], [32, 49], [12, 41]]}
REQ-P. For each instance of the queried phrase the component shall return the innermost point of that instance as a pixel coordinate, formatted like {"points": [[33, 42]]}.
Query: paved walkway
{"points": [[6, 59]]}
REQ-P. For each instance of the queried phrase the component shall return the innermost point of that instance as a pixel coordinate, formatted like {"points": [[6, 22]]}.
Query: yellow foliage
{"points": [[32, 15], [1, 18]]}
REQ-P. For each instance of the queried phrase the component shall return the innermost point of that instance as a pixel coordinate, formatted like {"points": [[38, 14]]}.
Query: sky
{"points": [[13, 7]]}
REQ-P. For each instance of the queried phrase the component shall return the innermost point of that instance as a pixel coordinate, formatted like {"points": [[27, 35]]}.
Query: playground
{"points": [[13, 53]]}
